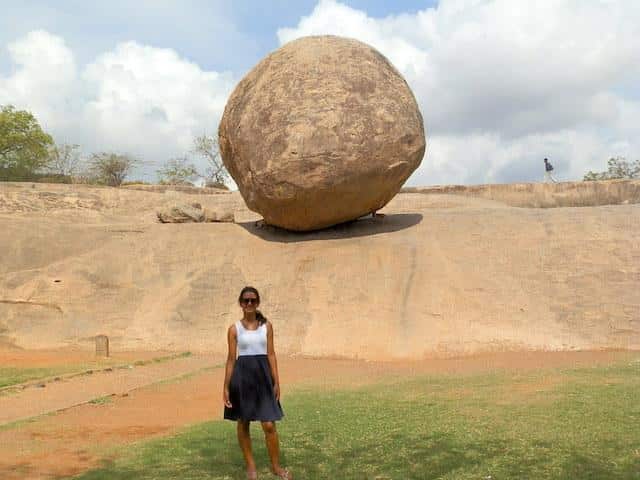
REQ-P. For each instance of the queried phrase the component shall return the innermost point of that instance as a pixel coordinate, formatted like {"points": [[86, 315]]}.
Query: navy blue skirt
{"points": [[251, 391]]}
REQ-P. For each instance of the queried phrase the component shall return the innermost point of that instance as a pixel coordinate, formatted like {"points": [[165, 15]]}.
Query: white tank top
{"points": [[251, 342]]}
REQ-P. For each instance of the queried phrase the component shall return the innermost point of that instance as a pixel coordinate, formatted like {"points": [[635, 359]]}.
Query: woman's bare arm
{"points": [[273, 363], [231, 361]]}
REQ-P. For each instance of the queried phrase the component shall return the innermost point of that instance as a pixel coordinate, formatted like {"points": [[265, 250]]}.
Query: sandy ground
{"points": [[75, 439]]}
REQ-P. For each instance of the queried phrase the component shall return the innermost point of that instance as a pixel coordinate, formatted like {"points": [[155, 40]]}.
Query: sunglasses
{"points": [[247, 301]]}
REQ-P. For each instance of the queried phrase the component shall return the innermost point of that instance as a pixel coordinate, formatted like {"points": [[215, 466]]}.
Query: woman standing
{"points": [[251, 382]]}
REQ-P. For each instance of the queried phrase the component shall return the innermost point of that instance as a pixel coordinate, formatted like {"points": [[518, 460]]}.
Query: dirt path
{"points": [[72, 440], [14, 357], [66, 393]]}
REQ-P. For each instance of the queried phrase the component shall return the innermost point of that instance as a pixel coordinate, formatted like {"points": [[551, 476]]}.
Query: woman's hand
{"points": [[225, 398], [276, 391]]}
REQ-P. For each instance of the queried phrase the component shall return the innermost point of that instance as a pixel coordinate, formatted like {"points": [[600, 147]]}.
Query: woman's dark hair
{"points": [[261, 318]]}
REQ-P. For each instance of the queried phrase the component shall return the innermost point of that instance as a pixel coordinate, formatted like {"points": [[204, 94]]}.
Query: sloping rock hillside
{"points": [[439, 274]]}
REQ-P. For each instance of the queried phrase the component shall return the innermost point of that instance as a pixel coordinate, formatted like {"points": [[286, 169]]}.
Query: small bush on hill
{"points": [[109, 168], [177, 171]]}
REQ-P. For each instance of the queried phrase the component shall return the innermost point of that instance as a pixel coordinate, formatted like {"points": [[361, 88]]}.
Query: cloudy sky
{"points": [[501, 83]]}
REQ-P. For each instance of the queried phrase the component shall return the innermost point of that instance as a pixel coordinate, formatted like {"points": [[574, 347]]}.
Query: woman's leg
{"points": [[244, 439], [271, 438]]}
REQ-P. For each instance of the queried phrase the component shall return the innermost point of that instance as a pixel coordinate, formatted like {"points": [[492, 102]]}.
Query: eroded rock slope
{"points": [[440, 274]]}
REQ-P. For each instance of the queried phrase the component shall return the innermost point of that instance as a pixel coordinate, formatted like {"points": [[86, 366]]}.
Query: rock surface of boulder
{"points": [[321, 131]]}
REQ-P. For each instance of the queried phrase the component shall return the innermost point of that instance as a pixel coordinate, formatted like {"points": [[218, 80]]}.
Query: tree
{"points": [[23, 144], [177, 171], [63, 159], [110, 168], [207, 146], [618, 167]]}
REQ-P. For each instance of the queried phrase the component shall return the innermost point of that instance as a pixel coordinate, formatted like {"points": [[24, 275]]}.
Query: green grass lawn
{"points": [[15, 375], [557, 424]]}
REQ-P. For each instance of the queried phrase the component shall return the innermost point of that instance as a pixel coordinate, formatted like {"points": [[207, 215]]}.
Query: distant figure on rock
{"points": [[251, 382], [548, 168]]}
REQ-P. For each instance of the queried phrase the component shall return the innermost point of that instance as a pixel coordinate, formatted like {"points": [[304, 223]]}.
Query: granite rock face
{"points": [[321, 131], [496, 277]]}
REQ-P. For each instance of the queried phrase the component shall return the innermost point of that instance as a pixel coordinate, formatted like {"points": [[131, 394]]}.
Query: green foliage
{"points": [[23, 144], [177, 171], [207, 146], [618, 167], [578, 424], [14, 375], [110, 168]]}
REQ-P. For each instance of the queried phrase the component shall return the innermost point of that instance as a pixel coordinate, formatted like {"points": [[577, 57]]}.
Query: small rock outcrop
{"points": [[321, 131], [181, 213], [193, 213]]}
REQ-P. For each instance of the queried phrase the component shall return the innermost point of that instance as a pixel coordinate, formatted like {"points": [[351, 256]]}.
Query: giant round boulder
{"points": [[321, 131]]}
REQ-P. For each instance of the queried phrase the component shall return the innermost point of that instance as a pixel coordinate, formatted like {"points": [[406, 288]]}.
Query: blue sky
{"points": [[501, 83], [209, 33]]}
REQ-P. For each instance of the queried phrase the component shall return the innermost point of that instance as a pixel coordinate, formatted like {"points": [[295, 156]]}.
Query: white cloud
{"points": [[499, 81], [141, 93], [137, 99], [44, 77], [501, 85]]}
